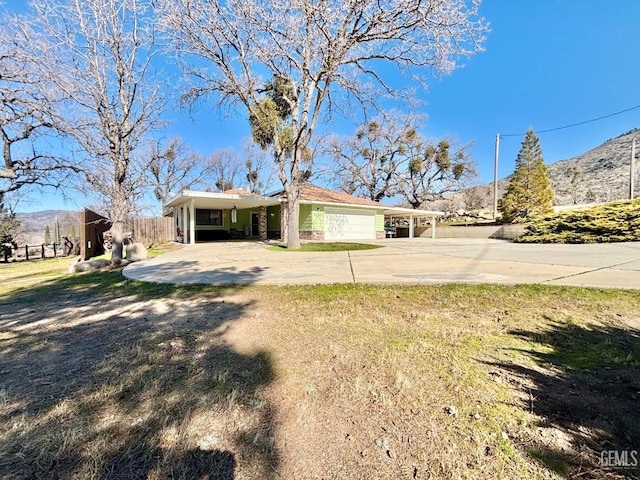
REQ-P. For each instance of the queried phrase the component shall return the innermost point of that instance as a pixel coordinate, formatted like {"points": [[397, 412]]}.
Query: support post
{"points": [[433, 227], [185, 232], [495, 178], [410, 226], [262, 222], [632, 172], [192, 222]]}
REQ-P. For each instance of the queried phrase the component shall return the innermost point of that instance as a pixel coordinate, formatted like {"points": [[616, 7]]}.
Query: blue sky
{"points": [[547, 64]]}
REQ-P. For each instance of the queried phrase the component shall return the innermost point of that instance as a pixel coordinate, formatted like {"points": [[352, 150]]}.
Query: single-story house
{"points": [[324, 215]]}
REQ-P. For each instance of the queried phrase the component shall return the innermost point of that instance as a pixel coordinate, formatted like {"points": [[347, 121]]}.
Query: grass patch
{"points": [[108, 378], [326, 247]]}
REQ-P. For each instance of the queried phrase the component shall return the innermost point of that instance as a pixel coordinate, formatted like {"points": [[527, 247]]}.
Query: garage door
{"points": [[347, 224]]}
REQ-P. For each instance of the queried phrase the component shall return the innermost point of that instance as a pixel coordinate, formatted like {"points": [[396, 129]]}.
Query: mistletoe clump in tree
{"points": [[529, 192]]}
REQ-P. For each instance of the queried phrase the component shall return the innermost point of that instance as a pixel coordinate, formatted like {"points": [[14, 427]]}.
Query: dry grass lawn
{"points": [[110, 379]]}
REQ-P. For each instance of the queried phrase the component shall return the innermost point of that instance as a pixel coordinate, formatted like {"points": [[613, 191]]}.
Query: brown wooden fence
{"points": [[36, 252], [152, 230]]}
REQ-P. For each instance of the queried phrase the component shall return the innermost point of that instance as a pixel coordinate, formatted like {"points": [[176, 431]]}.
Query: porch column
{"points": [[192, 222], [410, 226], [183, 227], [433, 227], [262, 222]]}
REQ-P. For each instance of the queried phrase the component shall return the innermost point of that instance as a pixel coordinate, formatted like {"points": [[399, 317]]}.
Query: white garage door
{"points": [[347, 224]]}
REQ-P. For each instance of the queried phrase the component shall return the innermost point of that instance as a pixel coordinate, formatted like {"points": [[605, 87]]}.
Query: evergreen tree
{"points": [[8, 226], [529, 192], [47, 235], [56, 232]]}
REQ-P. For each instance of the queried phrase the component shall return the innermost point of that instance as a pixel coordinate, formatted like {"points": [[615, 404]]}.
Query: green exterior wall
{"points": [[380, 220]]}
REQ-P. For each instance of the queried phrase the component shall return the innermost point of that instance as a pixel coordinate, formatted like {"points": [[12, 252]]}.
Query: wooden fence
{"points": [[35, 252], [152, 230]]}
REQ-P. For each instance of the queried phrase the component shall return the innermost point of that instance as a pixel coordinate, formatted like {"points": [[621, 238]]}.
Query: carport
{"points": [[395, 215], [212, 215]]}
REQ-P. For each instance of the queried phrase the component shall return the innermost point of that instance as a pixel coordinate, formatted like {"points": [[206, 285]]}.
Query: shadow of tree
{"points": [[191, 273], [585, 388], [101, 377]]}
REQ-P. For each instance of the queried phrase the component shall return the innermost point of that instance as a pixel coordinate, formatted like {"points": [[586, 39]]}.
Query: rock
{"points": [[90, 266], [135, 252], [73, 263], [451, 410]]}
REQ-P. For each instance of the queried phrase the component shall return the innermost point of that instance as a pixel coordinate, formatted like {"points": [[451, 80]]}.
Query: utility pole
{"points": [[495, 179], [632, 170]]}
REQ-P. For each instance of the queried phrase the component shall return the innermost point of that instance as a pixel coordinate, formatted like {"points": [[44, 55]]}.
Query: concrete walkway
{"points": [[402, 261]]}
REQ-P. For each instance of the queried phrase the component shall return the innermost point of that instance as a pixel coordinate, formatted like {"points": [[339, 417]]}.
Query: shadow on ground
{"points": [[586, 391], [106, 378], [191, 273]]}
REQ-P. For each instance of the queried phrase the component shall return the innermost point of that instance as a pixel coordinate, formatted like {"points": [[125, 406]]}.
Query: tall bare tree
{"points": [[99, 54], [372, 162], [27, 113], [436, 170], [260, 167], [288, 62], [174, 168], [225, 165]]}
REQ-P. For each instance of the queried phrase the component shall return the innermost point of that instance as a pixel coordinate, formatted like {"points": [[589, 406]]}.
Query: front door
{"points": [[255, 224]]}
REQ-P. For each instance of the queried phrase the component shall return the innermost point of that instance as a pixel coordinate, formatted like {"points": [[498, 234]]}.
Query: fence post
{"points": [[55, 254], [42, 249], [7, 250], [26, 252]]}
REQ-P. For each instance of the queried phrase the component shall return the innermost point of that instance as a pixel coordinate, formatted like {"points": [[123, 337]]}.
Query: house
{"points": [[324, 215]]}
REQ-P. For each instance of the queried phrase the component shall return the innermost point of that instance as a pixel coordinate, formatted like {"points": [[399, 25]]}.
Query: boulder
{"points": [[91, 265], [135, 252], [73, 263]]}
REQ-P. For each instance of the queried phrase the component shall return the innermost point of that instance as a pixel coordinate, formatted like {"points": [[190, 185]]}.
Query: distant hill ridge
{"points": [[33, 225], [599, 175]]}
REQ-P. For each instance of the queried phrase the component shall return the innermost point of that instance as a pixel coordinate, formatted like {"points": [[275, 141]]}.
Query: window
{"points": [[208, 217]]}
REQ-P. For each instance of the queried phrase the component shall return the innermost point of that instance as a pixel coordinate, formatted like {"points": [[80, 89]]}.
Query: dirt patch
{"points": [[101, 377]]}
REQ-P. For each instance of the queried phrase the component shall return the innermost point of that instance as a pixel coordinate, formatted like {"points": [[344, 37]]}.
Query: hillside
{"points": [[33, 225], [599, 175]]}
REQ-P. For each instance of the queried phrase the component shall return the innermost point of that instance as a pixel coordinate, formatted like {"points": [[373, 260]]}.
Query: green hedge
{"points": [[610, 222]]}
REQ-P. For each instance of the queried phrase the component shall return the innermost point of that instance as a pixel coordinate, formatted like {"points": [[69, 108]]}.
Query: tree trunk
{"points": [[117, 231], [293, 217]]}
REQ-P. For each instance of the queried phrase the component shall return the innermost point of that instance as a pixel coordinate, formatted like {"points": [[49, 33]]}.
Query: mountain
{"points": [[599, 175], [33, 225]]}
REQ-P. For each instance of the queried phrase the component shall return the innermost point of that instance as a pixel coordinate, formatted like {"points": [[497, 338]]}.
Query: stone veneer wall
{"points": [[311, 235], [381, 235]]}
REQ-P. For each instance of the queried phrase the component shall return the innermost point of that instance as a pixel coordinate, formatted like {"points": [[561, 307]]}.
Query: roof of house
{"points": [[314, 193], [239, 191]]}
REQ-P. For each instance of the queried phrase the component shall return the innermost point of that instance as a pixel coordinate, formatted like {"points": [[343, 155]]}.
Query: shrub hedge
{"points": [[610, 222]]}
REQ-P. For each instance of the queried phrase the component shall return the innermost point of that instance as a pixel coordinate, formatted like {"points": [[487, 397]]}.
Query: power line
{"points": [[573, 124]]}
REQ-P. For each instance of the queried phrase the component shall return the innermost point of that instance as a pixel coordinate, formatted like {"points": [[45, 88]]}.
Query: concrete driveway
{"points": [[402, 261]]}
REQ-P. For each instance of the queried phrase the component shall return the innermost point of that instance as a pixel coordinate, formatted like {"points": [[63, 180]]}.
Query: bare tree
{"points": [[288, 62], [225, 165], [174, 168], [260, 167], [436, 170], [27, 113], [370, 164], [99, 53]]}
